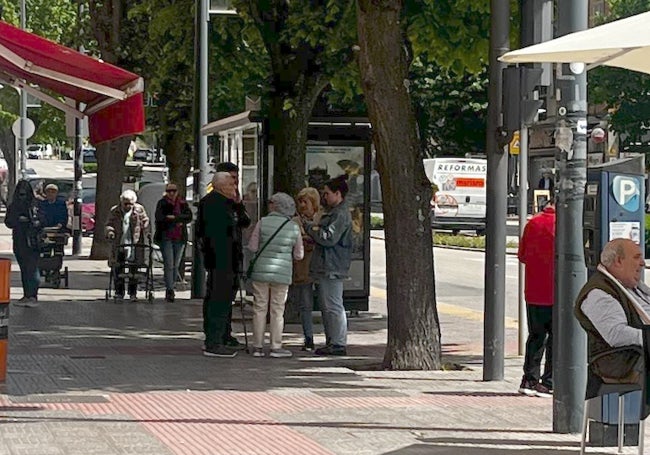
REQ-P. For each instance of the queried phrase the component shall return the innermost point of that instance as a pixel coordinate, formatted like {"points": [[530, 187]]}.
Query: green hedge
{"points": [[376, 222], [464, 241], [90, 167]]}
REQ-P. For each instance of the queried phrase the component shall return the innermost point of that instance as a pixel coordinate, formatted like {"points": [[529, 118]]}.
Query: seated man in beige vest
{"points": [[612, 307]]}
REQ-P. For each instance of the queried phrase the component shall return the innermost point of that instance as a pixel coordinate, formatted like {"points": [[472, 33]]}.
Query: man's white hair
{"points": [[221, 178], [129, 196], [612, 250]]}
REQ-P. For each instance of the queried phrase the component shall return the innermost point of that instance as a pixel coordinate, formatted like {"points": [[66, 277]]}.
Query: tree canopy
{"points": [[626, 93]]}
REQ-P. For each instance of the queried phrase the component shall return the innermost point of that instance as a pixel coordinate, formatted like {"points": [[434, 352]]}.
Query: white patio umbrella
{"points": [[624, 43]]}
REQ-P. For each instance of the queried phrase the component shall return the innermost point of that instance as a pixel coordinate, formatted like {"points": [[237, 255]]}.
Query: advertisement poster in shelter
{"points": [[328, 161]]}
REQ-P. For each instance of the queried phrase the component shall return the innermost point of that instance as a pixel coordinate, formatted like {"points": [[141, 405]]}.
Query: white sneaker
{"points": [[258, 352], [281, 353]]}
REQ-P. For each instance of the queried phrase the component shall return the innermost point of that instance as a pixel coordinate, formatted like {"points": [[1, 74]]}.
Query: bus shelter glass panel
{"points": [[330, 161]]}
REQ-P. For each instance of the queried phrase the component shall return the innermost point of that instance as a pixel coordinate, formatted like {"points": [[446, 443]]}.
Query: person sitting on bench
{"points": [[612, 307]]}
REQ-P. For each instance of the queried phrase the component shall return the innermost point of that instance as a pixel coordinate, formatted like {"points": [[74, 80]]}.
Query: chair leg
{"points": [[621, 422], [641, 436], [585, 422]]}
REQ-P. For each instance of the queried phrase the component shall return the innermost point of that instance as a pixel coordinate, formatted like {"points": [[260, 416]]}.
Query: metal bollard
{"points": [[5, 287]]}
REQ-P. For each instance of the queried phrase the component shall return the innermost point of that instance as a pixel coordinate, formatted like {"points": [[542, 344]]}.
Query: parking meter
{"points": [[614, 208]]}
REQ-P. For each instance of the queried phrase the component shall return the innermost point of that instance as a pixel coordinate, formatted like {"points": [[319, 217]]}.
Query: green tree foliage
{"points": [[237, 67], [452, 33], [307, 44], [451, 109], [626, 92]]}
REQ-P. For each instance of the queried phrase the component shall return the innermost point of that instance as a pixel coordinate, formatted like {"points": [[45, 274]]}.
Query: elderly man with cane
{"points": [[216, 231]]}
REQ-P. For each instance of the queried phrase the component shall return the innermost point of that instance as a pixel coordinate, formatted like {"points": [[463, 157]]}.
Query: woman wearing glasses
{"points": [[172, 215]]}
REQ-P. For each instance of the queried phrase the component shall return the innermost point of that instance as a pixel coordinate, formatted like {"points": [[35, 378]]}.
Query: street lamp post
{"points": [[23, 105], [204, 8]]}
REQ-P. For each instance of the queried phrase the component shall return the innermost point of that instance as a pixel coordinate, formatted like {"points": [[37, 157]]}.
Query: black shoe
{"points": [[543, 391], [169, 296], [234, 343], [331, 350], [527, 387], [220, 351], [309, 345]]}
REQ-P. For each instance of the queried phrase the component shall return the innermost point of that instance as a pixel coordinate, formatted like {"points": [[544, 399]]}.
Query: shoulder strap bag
{"points": [[251, 265]]}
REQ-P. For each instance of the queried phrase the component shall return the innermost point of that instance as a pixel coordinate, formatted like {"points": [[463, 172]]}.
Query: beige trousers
{"points": [[273, 296]]}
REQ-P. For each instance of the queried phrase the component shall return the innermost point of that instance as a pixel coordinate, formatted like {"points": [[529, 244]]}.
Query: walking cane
{"points": [[241, 308]]}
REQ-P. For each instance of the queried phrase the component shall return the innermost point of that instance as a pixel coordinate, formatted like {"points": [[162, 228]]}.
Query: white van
{"points": [[459, 193]]}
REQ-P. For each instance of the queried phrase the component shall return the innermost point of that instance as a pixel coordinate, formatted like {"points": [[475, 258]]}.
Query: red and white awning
{"points": [[112, 96]]}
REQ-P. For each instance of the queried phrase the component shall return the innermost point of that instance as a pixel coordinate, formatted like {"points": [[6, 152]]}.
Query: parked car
{"points": [[89, 155], [4, 168], [88, 210], [146, 155], [66, 187], [39, 183], [36, 151], [4, 175]]}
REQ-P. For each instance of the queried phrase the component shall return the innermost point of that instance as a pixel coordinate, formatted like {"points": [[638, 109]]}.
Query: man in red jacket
{"points": [[537, 252]]}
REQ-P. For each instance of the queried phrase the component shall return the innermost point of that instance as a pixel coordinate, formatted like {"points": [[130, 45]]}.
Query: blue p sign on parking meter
{"points": [[614, 206], [627, 192]]}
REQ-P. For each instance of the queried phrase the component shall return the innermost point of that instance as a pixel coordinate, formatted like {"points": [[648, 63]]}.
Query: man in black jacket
{"points": [[216, 231], [242, 221]]}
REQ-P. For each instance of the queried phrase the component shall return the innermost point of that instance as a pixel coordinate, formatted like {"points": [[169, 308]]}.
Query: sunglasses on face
{"points": [[171, 190], [126, 204]]}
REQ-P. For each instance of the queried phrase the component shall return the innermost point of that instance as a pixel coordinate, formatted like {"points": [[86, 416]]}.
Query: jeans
{"points": [[172, 254], [303, 294], [540, 339], [220, 293], [28, 262], [335, 322], [271, 296]]}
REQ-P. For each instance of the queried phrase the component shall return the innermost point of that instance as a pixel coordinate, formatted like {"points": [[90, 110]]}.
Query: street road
{"points": [[52, 168], [459, 277]]}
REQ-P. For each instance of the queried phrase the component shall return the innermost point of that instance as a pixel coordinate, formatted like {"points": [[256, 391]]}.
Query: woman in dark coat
{"points": [[172, 216], [25, 221]]}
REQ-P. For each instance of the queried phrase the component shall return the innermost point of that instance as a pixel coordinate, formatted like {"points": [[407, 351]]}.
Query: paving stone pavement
{"points": [[86, 376]]}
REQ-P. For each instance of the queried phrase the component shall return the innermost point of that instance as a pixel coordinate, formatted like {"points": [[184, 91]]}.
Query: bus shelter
{"points": [[335, 146]]}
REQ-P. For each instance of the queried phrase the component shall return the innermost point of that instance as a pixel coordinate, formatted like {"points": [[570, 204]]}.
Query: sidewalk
{"points": [[93, 377]]}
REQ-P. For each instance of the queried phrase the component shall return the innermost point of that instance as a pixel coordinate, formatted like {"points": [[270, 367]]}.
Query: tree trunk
{"points": [[110, 174], [413, 328], [289, 133], [178, 159], [106, 20]]}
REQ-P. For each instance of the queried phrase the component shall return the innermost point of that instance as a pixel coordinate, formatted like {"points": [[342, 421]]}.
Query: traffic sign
{"points": [[28, 128], [514, 144]]}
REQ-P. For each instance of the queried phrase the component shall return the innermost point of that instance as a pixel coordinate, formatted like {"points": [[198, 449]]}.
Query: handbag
{"points": [[251, 265]]}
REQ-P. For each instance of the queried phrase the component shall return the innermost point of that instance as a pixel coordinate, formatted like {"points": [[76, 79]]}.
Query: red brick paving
{"points": [[242, 423]]}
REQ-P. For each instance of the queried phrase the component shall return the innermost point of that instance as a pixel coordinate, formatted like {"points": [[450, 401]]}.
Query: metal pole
{"points": [[23, 105], [523, 212], [76, 210], [497, 178], [569, 340], [200, 141], [78, 170]]}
